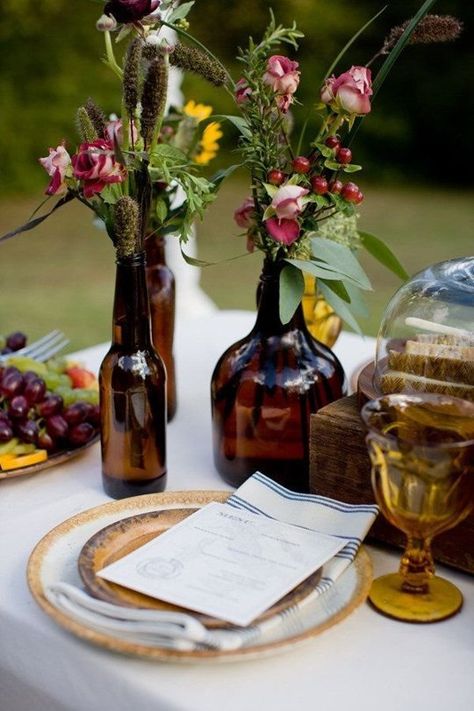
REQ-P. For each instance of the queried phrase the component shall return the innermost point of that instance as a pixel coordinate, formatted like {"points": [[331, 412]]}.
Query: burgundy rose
{"points": [[95, 165], [284, 231], [130, 10]]}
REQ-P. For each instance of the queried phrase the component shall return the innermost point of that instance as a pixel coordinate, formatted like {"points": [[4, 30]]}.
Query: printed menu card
{"points": [[224, 562]]}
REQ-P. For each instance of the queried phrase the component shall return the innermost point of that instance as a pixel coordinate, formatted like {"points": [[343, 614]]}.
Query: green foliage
{"points": [[291, 291], [383, 254]]}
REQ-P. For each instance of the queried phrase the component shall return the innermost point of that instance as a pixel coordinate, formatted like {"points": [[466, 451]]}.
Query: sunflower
{"points": [[208, 145], [200, 112]]}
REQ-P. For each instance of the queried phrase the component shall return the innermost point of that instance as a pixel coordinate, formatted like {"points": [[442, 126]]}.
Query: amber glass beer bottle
{"points": [[161, 295], [132, 384]]}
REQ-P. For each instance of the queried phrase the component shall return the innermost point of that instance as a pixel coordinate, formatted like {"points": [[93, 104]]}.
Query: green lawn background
{"points": [[61, 275]]}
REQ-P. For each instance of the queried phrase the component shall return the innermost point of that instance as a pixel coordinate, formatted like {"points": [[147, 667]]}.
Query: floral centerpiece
{"points": [[149, 153], [303, 206], [152, 154], [302, 214], [139, 173]]}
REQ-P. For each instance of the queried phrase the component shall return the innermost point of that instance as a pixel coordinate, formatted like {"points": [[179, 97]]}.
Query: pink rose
{"points": [[284, 231], [282, 74], [350, 91], [284, 102], [287, 201], [95, 165], [245, 214], [56, 165], [115, 132], [242, 91], [130, 10]]}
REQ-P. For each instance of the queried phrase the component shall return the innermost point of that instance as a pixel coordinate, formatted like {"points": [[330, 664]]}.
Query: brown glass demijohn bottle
{"points": [[132, 383], [264, 389], [161, 297]]}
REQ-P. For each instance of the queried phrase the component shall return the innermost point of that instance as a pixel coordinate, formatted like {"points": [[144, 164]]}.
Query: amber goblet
{"points": [[422, 452]]}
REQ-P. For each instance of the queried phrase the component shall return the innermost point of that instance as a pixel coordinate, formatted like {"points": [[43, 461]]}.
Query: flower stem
{"points": [[159, 120], [110, 56]]}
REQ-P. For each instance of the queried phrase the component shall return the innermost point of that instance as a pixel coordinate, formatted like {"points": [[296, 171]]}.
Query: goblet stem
{"points": [[416, 566]]}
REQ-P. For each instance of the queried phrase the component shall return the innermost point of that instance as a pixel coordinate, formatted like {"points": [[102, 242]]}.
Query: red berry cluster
{"points": [[319, 184]]}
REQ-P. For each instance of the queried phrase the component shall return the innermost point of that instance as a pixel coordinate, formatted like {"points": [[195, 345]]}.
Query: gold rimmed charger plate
{"points": [[55, 558], [117, 540], [51, 461]]}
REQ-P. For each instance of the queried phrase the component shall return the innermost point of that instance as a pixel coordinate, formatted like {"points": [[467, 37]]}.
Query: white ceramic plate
{"points": [[55, 560]]}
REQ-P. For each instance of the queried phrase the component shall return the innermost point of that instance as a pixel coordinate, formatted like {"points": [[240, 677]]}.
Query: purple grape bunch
{"points": [[35, 415]]}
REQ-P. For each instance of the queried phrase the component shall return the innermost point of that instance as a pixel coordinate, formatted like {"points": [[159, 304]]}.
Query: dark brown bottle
{"points": [[161, 297], [132, 382], [265, 388]]}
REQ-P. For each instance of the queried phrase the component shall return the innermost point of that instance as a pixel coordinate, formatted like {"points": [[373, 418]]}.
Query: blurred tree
{"points": [[50, 63]]}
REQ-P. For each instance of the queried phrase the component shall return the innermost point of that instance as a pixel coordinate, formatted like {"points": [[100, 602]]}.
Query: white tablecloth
{"points": [[367, 662]]}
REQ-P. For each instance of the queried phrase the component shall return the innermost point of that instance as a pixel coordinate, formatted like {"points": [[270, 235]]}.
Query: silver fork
{"points": [[42, 349]]}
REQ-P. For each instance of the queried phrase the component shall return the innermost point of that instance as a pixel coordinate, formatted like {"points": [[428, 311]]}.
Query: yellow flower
{"points": [[208, 145], [201, 112]]}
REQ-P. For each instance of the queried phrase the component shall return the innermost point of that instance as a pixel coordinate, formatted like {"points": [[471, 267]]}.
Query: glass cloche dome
{"points": [[426, 339]]}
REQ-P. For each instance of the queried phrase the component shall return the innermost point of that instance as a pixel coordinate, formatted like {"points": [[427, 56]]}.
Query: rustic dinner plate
{"points": [[117, 540], [55, 559], [51, 461]]}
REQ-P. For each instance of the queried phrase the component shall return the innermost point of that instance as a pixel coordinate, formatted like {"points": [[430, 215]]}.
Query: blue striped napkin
{"points": [[351, 522], [182, 631]]}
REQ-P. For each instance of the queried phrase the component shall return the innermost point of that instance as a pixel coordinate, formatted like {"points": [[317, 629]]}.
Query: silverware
{"points": [[42, 349]]}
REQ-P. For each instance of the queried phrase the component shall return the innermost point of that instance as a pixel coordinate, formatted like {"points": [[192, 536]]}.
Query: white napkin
{"points": [[182, 631]]}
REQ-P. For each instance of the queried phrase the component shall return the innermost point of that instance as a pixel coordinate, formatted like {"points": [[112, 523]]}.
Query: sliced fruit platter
{"points": [[48, 411]]}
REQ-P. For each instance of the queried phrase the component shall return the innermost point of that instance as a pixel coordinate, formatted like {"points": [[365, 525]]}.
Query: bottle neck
{"points": [[268, 299], [131, 316], [155, 249]]}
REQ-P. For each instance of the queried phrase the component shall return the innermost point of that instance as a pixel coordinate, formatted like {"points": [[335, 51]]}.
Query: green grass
{"points": [[62, 274]]}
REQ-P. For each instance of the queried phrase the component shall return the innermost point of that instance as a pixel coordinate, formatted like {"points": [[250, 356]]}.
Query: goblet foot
{"points": [[442, 600]]}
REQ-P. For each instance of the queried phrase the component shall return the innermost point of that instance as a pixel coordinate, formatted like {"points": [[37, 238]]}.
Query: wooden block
{"points": [[340, 469]]}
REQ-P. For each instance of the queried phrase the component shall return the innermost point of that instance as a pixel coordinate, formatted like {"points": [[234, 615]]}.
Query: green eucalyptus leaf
{"points": [[325, 150], [320, 271], [339, 289], [383, 254], [352, 168], [180, 12], [291, 291], [340, 258], [161, 210], [339, 306], [358, 305], [332, 165]]}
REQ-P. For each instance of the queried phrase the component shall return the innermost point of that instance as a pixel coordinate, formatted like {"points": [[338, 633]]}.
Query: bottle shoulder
{"points": [[139, 362]]}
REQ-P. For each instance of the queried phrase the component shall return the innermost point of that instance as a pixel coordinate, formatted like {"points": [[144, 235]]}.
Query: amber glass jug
{"points": [[263, 391], [132, 383], [162, 297]]}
